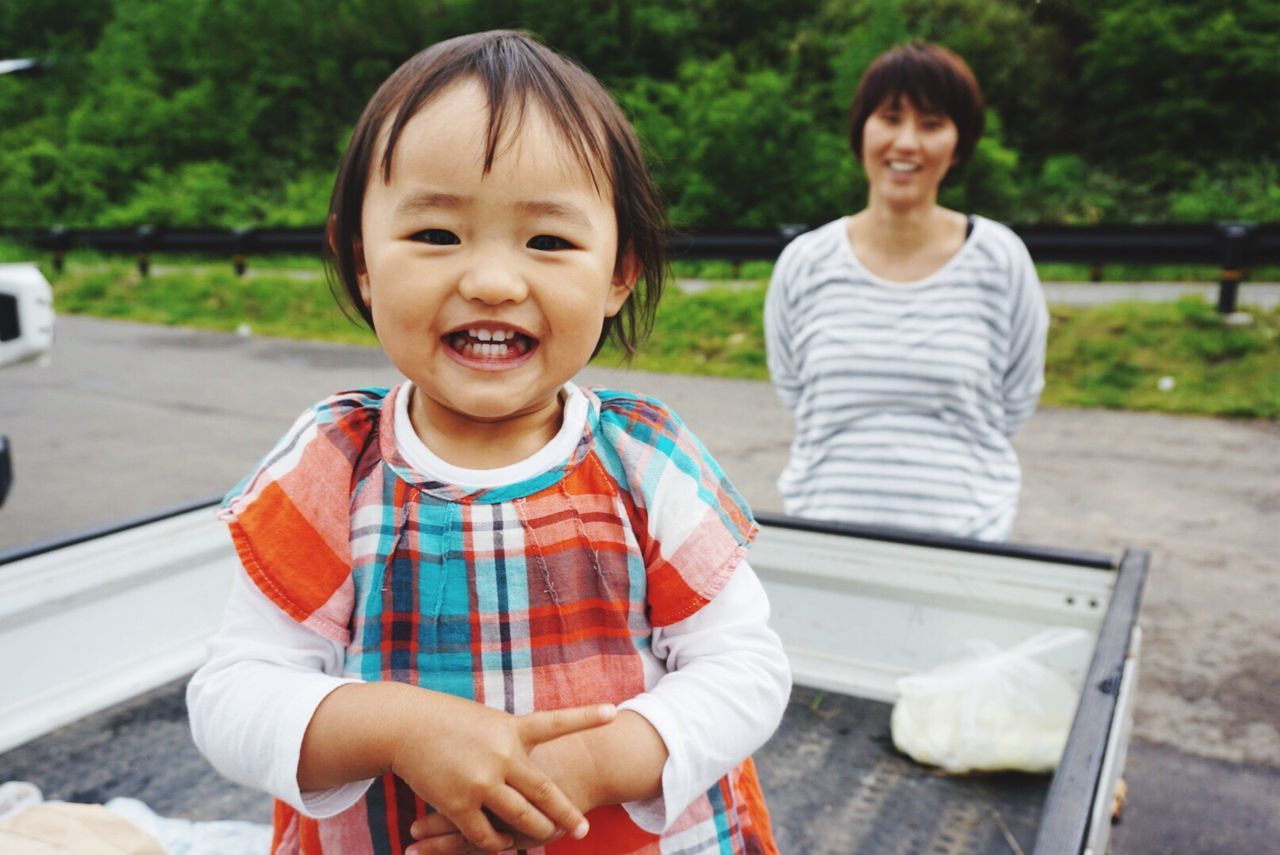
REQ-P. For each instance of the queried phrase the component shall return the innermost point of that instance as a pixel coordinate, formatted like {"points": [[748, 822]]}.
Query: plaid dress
{"points": [[531, 596]]}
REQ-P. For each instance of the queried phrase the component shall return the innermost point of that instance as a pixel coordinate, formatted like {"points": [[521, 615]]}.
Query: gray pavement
{"points": [[130, 418], [1264, 295]]}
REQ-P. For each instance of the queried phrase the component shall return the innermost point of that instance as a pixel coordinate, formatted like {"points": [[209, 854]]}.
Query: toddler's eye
{"points": [[548, 243], [438, 237]]}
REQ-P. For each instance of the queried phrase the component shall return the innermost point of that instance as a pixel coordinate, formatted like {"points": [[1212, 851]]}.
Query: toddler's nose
{"points": [[492, 283]]}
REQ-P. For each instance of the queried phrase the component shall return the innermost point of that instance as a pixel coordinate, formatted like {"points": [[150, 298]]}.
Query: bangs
{"points": [[929, 83], [512, 75]]}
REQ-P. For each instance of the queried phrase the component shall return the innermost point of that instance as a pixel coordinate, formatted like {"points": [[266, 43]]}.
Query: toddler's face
{"points": [[487, 291]]}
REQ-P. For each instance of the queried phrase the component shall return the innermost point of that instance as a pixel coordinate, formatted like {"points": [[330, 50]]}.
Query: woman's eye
{"points": [[548, 243], [438, 237]]}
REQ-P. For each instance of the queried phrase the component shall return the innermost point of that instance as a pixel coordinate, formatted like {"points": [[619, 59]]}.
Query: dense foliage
{"points": [[232, 112]]}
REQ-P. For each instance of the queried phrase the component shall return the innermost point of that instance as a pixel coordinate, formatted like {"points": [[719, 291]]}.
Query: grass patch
{"points": [[272, 303], [1178, 357], [717, 333], [1111, 356]]}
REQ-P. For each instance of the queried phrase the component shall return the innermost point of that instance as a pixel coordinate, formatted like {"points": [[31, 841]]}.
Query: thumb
{"points": [[545, 726]]}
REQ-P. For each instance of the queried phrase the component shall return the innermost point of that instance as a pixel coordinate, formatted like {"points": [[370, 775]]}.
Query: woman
{"points": [[908, 339]]}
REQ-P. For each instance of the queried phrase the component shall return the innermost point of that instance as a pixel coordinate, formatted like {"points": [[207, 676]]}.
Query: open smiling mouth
{"points": [[490, 345]]}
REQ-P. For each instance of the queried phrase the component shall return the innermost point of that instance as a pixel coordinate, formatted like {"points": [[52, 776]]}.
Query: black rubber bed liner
{"points": [[832, 778]]}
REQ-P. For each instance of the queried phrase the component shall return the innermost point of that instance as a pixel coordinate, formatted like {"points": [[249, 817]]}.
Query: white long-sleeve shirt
{"points": [[716, 683]]}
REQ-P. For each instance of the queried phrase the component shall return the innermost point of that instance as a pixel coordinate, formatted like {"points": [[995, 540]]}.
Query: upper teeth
{"points": [[490, 335], [902, 166]]}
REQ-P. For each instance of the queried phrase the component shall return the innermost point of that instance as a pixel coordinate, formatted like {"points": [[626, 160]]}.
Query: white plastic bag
{"points": [[999, 709]]}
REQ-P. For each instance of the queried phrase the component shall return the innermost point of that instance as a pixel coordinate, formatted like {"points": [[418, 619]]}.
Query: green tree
{"points": [[1180, 86], [736, 147]]}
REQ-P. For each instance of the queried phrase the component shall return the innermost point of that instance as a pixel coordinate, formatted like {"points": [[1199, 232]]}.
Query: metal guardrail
{"points": [[1232, 247]]}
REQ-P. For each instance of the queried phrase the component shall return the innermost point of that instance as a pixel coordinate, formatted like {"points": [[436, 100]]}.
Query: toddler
{"points": [[489, 609]]}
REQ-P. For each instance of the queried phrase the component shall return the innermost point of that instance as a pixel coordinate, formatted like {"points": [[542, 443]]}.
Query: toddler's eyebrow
{"points": [[416, 203], [569, 213], [427, 200]]}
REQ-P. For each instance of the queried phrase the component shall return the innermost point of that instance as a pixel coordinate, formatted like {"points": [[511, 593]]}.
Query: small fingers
{"points": [[542, 793], [450, 843], [515, 813], [431, 825], [544, 726], [479, 832]]}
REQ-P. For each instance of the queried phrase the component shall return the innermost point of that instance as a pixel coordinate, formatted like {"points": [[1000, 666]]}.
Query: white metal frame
{"points": [[86, 626], [856, 614]]}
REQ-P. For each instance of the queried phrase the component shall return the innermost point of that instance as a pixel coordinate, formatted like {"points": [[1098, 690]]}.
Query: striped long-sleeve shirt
{"points": [[906, 394]]}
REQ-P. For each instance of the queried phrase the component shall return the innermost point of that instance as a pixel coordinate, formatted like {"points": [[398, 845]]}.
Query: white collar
{"points": [[428, 464]]}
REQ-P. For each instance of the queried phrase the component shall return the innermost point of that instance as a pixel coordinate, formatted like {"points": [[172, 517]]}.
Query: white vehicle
{"points": [[26, 332], [98, 633], [26, 314]]}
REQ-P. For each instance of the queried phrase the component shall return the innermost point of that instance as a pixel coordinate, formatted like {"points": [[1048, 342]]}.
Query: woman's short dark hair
{"points": [[513, 69], [932, 78]]}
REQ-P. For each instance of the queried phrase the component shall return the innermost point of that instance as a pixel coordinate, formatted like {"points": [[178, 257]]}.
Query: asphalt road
{"points": [[128, 418]]}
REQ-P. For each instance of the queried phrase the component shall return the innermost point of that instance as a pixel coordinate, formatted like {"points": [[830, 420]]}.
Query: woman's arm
{"points": [[779, 336], [1028, 330]]}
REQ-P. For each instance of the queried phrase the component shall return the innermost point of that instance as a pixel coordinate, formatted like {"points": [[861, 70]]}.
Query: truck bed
{"points": [[856, 608]]}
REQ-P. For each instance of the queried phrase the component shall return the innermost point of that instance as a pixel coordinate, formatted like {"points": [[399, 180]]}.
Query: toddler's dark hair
{"points": [[512, 68]]}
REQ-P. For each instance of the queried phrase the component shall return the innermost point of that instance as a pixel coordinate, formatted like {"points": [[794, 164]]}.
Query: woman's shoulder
{"points": [[996, 237], [817, 239], [810, 252]]}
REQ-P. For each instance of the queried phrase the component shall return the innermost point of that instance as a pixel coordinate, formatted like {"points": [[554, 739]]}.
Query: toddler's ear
{"points": [[625, 276], [362, 274]]}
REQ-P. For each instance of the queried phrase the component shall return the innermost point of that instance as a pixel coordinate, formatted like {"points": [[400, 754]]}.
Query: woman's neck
{"points": [[905, 245], [902, 230]]}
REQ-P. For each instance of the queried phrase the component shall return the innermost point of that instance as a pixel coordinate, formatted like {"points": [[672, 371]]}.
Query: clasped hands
{"points": [[499, 781]]}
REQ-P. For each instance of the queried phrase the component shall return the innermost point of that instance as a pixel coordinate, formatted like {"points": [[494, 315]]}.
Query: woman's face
{"points": [[906, 153]]}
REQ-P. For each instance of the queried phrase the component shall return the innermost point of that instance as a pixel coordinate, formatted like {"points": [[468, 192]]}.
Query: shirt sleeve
{"points": [[251, 702], [692, 525], [779, 336], [1029, 328], [727, 685]]}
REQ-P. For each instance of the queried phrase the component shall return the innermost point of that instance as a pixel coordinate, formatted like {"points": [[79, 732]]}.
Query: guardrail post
{"points": [[59, 242], [146, 237], [1233, 272], [240, 239]]}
